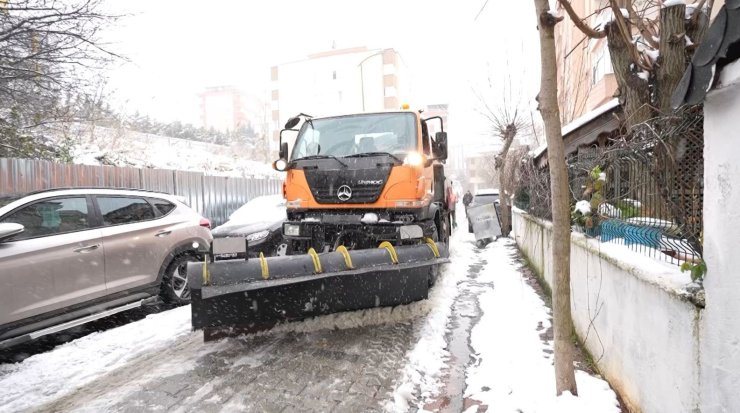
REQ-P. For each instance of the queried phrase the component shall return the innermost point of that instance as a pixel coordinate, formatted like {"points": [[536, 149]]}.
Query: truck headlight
{"points": [[292, 230], [296, 203], [256, 236], [414, 159]]}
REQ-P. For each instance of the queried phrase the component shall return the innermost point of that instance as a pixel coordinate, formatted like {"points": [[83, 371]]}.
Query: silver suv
{"points": [[69, 256]]}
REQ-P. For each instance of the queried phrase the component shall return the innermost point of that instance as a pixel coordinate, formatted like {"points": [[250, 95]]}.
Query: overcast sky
{"points": [[178, 47]]}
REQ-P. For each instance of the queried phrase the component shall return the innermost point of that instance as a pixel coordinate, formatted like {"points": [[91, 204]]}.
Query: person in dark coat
{"points": [[467, 199]]}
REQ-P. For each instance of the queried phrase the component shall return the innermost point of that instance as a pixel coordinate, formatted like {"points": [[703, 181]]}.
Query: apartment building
{"points": [[337, 81], [222, 108], [585, 77]]}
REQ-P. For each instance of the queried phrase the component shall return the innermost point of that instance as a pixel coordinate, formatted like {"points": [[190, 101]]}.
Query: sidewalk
{"points": [[499, 342]]}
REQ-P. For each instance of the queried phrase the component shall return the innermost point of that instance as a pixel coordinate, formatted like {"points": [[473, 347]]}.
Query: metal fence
{"points": [[645, 192], [214, 197], [644, 189]]}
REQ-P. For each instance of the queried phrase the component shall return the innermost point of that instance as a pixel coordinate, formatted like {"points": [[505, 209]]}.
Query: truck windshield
{"points": [[394, 133]]}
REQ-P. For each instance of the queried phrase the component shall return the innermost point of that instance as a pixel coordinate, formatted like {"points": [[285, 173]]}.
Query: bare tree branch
{"points": [[579, 22], [646, 33]]}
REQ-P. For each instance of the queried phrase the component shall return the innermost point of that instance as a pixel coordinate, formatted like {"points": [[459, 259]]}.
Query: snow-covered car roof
{"points": [[488, 191], [266, 208]]}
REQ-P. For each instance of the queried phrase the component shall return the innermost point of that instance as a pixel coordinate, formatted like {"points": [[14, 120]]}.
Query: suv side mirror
{"points": [[440, 145], [8, 230]]}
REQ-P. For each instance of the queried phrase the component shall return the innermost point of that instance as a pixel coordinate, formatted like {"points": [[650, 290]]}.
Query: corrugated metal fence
{"points": [[214, 197]]}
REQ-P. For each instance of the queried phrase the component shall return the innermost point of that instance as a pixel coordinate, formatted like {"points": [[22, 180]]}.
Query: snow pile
{"points": [[671, 3], [353, 319], [515, 370], [584, 207], [636, 204], [651, 264], [429, 356], [52, 375], [609, 210]]}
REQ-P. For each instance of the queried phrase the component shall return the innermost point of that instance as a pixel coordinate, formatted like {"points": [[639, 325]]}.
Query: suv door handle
{"points": [[162, 233], [88, 248]]}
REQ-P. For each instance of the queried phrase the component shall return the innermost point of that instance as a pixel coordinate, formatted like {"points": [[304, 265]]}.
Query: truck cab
{"points": [[358, 180]]}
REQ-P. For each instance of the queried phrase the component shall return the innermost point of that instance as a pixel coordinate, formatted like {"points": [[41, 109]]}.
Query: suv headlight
{"points": [[292, 230], [256, 236]]}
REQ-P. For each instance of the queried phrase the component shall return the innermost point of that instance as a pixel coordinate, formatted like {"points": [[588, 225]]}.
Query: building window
{"points": [[602, 65]]}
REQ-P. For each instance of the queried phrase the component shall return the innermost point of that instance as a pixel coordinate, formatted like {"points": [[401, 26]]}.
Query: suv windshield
{"points": [[394, 133]]}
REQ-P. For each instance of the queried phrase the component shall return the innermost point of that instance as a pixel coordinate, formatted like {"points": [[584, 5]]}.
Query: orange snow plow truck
{"points": [[367, 226]]}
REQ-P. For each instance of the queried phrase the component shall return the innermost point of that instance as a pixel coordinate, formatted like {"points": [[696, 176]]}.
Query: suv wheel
{"points": [[175, 281]]}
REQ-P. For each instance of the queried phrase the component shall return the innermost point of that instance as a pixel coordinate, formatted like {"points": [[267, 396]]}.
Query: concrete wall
{"points": [[720, 346], [632, 314]]}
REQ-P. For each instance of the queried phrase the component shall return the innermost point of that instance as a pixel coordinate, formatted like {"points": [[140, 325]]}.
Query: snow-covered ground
{"points": [[516, 372], [119, 147], [48, 376], [513, 372]]}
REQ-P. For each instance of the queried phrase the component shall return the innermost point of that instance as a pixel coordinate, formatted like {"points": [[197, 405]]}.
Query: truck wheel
{"points": [[434, 272], [175, 287], [442, 229]]}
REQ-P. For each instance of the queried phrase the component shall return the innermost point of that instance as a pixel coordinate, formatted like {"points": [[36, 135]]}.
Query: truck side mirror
{"points": [[440, 145], [292, 122], [282, 163], [283, 154]]}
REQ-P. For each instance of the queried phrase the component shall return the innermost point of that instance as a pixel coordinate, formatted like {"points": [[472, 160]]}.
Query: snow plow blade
{"points": [[235, 297]]}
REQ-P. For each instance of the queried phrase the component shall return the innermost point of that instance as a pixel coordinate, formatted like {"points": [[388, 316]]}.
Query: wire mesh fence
{"points": [[533, 190], [645, 191]]}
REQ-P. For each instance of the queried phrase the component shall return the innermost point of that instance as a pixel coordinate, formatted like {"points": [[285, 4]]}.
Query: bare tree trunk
{"points": [[633, 90], [501, 165], [504, 198], [672, 61], [548, 105]]}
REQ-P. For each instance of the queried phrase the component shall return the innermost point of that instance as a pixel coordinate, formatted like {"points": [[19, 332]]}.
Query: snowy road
{"points": [[482, 311]]}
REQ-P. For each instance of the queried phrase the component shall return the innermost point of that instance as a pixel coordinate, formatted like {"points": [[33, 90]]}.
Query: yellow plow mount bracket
{"points": [[347, 259], [264, 267], [316, 261], [432, 246], [206, 273], [389, 247]]}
